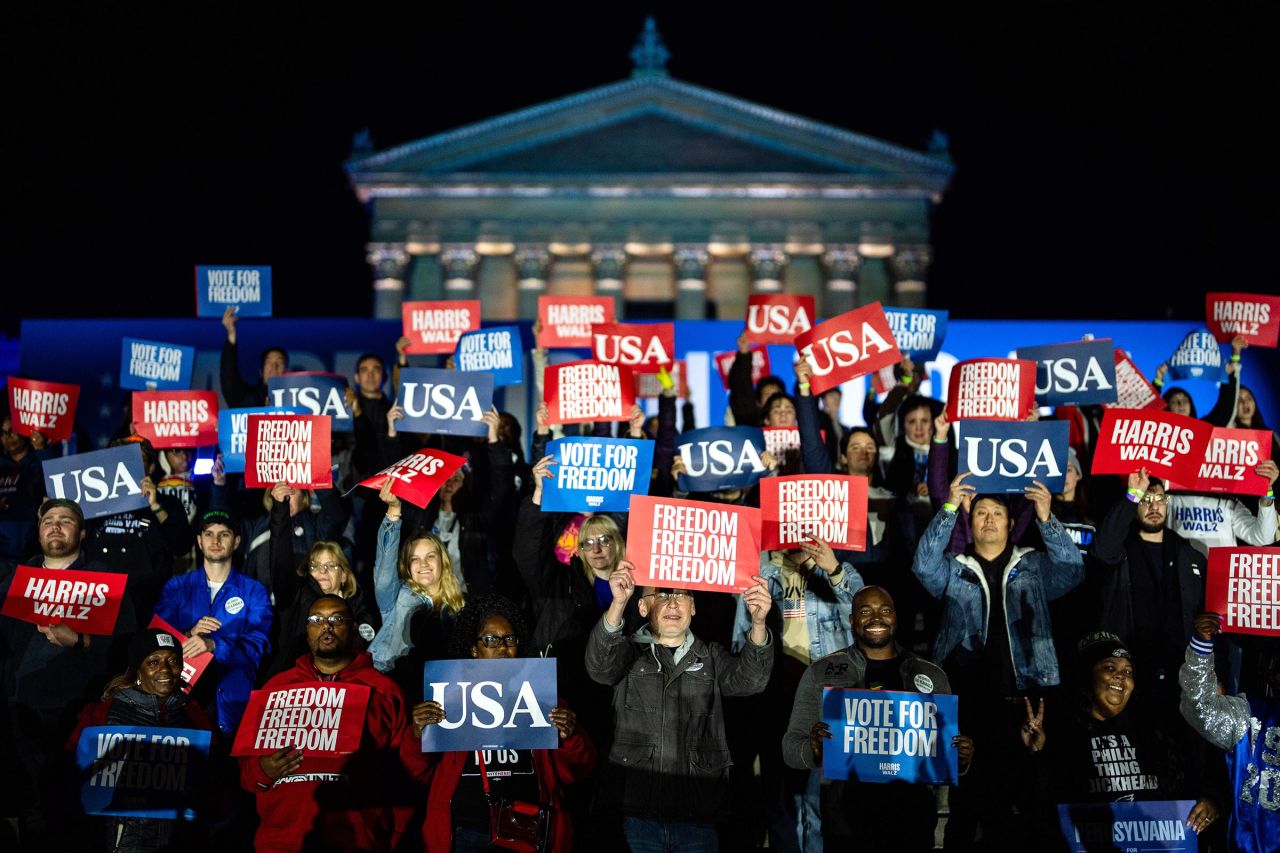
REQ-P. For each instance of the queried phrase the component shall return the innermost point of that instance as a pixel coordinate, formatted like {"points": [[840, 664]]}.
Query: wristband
{"points": [[1135, 495], [803, 386], [907, 379], [937, 440], [1158, 382], [1235, 356], [1270, 495], [950, 507], [665, 380]]}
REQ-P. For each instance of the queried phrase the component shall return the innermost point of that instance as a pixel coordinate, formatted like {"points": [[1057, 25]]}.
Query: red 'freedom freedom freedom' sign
{"points": [[291, 449], [586, 391], [854, 344], [992, 389], [86, 602], [832, 508], [1244, 588], [320, 718], [692, 544]]}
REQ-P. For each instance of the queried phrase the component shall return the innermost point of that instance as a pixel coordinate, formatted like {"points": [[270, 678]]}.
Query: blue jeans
{"points": [[469, 841], [656, 836]]}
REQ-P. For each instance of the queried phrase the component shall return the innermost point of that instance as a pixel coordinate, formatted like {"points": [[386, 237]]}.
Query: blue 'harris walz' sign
{"points": [[248, 289]]}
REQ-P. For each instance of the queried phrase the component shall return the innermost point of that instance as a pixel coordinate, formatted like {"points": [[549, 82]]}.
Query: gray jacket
{"points": [[670, 757]]}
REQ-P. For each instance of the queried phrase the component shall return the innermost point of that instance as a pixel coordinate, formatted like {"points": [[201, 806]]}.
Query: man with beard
{"points": [[892, 816]]}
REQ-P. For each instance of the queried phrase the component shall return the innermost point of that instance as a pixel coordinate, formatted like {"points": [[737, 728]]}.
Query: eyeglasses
{"points": [[679, 596], [333, 619], [1154, 499], [603, 541], [492, 641], [323, 568]]}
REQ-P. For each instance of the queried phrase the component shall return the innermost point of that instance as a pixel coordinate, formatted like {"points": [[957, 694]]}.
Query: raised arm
{"points": [[1221, 720]]}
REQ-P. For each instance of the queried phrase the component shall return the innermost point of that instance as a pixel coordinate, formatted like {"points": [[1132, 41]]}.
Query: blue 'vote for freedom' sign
{"points": [[153, 366], [717, 458], [491, 704], [1076, 373], [247, 288], [450, 402], [316, 393], [1142, 827], [233, 432], [140, 771], [496, 350], [918, 332], [596, 474], [103, 482], [890, 736], [1199, 356], [1008, 456]]}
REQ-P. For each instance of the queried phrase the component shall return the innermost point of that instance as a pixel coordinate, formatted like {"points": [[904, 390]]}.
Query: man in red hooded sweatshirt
{"points": [[361, 801]]}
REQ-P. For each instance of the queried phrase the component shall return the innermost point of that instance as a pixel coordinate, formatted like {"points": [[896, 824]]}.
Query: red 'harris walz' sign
{"points": [[45, 407], [1169, 446], [1244, 588], [846, 347], [566, 321], [434, 327], [176, 418], [417, 477], [1252, 316], [86, 602], [692, 544]]}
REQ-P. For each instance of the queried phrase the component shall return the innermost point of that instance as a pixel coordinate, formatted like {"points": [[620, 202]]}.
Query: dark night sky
{"points": [[1110, 164]]}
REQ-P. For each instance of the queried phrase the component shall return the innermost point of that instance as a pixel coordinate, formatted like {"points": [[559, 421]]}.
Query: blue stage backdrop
{"points": [[87, 352]]}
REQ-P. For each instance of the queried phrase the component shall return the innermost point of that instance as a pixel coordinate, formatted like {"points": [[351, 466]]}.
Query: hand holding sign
{"points": [[283, 762], [758, 601]]}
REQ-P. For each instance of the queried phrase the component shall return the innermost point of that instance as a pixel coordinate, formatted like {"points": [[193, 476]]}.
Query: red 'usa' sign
{"points": [[832, 508], [45, 407], [176, 418], [434, 327], [1254, 317], [567, 320], [634, 344], [417, 477], [846, 347], [1169, 446], [1244, 587], [86, 602], [776, 318], [692, 544], [318, 717]]}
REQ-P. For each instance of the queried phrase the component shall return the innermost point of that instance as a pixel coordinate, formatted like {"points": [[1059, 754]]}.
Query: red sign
{"points": [[1254, 317], [45, 407], [846, 347], [192, 668], [567, 320], [318, 717], [176, 418], [634, 345], [759, 365], [86, 602], [692, 544], [1244, 587], [647, 384], [291, 449], [587, 391], [434, 327], [832, 508], [1133, 391], [417, 477], [775, 318], [1169, 446], [1229, 461], [992, 389]]}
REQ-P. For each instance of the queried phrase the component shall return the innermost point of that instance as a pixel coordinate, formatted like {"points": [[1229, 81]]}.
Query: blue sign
{"points": [[140, 771], [495, 350], [491, 704], [103, 482], [1007, 456], [448, 402], [247, 288], [717, 458], [1156, 825], [1078, 373], [1198, 357], [597, 474], [315, 394], [153, 366], [918, 332], [890, 736], [233, 432]]}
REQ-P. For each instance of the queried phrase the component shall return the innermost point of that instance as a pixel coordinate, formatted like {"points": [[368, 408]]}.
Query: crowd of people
{"points": [[1071, 626]]}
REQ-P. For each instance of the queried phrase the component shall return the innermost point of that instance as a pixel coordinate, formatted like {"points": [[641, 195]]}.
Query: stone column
{"points": [[910, 265], [767, 265], [390, 262], [423, 246], [532, 261], [691, 282], [459, 262], [610, 269], [841, 290]]}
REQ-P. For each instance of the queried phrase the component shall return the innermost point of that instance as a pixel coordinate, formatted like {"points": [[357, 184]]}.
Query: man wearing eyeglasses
{"points": [[669, 765]]}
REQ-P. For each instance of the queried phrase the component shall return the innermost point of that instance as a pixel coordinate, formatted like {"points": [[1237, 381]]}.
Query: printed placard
{"points": [[890, 736], [86, 602], [154, 366], [433, 327], [1230, 458], [649, 387], [596, 474], [567, 320], [142, 771], [233, 432], [1008, 456], [496, 350], [192, 668], [1133, 391], [586, 391], [854, 344], [776, 318], [491, 704], [1169, 446], [417, 477], [293, 449], [246, 288], [1244, 588], [993, 389], [1144, 826], [783, 440], [1074, 374], [692, 544], [719, 458], [176, 418], [315, 392], [449, 402], [634, 344], [1252, 316], [831, 507], [45, 407], [1198, 357], [320, 718], [759, 365], [103, 482], [918, 332]]}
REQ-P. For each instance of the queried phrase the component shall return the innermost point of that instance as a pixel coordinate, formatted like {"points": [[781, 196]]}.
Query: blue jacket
{"points": [[826, 608], [1031, 580], [396, 601], [243, 606]]}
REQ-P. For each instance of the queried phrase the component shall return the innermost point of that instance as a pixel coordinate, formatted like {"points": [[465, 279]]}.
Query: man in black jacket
{"points": [[238, 393]]}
